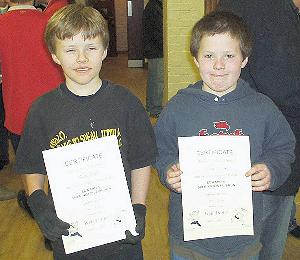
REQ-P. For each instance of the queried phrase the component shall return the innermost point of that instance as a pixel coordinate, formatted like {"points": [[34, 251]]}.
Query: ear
{"points": [[244, 63], [104, 55], [196, 62], [55, 59]]}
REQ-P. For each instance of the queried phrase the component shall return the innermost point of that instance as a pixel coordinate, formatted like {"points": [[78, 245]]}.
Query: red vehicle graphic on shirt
{"points": [[222, 125], [222, 128]]}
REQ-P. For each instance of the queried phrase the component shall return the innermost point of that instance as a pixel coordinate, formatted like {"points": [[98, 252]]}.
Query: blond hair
{"points": [[73, 19]]}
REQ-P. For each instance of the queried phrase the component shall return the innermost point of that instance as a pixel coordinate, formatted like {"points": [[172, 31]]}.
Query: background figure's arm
{"points": [[278, 153]]}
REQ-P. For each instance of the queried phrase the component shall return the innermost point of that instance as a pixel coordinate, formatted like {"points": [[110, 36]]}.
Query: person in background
{"points": [[77, 38], [5, 194], [221, 46], [153, 51], [27, 68], [274, 70]]}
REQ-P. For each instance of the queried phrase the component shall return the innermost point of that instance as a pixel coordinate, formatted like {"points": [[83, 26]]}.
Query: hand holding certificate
{"points": [[90, 192], [216, 194]]}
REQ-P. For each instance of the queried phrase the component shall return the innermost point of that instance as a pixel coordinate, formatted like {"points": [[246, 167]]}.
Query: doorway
{"points": [[107, 9]]}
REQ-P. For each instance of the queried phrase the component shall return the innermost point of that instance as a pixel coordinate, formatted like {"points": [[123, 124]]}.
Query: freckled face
{"points": [[81, 60], [220, 62]]}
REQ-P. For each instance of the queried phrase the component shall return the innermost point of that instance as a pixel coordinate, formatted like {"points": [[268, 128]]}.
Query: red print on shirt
{"points": [[222, 128]]}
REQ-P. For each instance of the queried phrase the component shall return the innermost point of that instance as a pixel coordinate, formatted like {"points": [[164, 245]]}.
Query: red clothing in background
{"points": [[27, 67]]}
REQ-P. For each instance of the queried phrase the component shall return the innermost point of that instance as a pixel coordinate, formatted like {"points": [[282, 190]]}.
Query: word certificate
{"points": [[90, 192], [216, 194]]}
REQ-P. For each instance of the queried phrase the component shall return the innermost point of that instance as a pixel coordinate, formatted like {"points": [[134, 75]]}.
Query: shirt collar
{"points": [[18, 7], [3, 9]]}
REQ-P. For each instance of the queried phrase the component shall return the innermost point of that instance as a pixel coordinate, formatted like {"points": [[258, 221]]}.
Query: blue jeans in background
{"points": [[276, 218], [155, 86]]}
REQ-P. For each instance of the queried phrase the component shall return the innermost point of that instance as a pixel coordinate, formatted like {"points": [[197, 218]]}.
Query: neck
{"points": [[86, 90]]}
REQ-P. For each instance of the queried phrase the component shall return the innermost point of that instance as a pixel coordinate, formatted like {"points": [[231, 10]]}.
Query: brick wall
{"points": [[179, 18]]}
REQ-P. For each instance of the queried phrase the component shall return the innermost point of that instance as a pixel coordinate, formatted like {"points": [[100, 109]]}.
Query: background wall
{"points": [[179, 18]]}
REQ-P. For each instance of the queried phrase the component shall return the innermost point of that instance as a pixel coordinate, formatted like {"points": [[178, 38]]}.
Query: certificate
{"points": [[216, 194], [90, 192]]}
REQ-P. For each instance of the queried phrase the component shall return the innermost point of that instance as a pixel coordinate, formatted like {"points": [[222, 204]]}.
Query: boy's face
{"points": [[220, 62], [81, 61]]}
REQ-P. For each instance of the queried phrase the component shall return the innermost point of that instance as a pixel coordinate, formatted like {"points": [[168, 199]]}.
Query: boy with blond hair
{"points": [[85, 105]]}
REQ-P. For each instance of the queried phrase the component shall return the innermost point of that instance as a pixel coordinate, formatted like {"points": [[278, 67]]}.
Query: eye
{"points": [[92, 48], [70, 50], [229, 56], [208, 56]]}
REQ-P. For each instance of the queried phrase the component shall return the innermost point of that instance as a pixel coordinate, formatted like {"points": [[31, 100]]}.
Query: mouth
{"points": [[218, 75], [82, 70]]}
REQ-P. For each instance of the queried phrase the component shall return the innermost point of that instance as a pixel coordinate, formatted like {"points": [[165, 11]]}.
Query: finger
{"points": [[176, 185], [263, 181], [259, 176], [261, 188], [174, 180], [258, 183], [255, 168], [261, 185], [176, 167], [172, 174], [179, 190]]}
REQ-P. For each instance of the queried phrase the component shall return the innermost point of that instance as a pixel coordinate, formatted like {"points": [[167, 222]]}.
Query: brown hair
{"points": [[73, 19], [219, 22]]}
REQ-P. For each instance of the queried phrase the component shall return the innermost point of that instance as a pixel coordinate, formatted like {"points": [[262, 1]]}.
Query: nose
{"points": [[219, 63], [82, 57]]}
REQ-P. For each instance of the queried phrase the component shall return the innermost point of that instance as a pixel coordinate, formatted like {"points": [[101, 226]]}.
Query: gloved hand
{"points": [[51, 226], [140, 214]]}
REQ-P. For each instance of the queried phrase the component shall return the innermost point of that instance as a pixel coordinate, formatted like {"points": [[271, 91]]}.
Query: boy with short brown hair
{"points": [[220, 45]]}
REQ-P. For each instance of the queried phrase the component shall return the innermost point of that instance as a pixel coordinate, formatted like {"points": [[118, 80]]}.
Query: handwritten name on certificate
{"points": [[90, 192], [216, 194]]}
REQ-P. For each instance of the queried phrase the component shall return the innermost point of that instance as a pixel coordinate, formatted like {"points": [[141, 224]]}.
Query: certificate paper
{"points": [[216, 194], [90, 192]]}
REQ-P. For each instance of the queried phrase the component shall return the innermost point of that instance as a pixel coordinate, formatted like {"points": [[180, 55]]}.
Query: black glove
{"points": [[140, 214], [51, 226]]}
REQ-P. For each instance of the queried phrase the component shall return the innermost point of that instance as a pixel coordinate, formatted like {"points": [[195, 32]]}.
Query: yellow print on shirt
{"points": [[61, 139]]}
